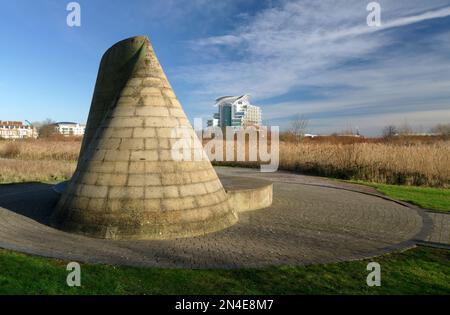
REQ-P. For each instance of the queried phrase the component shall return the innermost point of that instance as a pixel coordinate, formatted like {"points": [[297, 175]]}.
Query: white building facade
{"points": [[16, 130], [70, 128], [236, 112]]}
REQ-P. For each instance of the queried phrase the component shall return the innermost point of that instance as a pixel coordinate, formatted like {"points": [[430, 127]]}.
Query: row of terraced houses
{"points": [[19, 130]]}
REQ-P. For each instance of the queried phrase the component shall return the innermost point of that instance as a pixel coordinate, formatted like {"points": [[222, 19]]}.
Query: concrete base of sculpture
{"points": [[128, 184], [244, 194], [247, 194]]}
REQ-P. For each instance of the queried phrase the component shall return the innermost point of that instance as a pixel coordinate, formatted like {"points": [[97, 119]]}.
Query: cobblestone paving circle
{"points": [[312, 220]]}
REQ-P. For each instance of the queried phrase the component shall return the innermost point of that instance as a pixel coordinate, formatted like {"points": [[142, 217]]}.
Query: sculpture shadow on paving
{"points": [[34, 200]]}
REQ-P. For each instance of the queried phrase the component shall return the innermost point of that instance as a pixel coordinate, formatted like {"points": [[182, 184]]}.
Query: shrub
{"points": [[10, 150]]}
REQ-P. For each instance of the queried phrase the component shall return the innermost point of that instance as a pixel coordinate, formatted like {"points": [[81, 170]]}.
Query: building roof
{"points": [[65, 123], [68, 123], [231, 99]]}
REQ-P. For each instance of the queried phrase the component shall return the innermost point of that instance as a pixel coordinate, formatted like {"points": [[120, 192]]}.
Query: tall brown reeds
{"points": [[40, 149], [45, 160], [417, 164], [406, 162], [409, 161]]}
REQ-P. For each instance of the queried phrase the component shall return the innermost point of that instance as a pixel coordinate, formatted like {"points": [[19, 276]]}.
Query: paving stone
{"points": [[312, 220]]}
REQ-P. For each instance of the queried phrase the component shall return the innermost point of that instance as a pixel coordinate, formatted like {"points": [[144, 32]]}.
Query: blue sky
{"points": [[316, 58]]}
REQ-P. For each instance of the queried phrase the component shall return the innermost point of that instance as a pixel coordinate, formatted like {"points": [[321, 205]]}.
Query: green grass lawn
{"points": [[424, 197], [416, 271]]}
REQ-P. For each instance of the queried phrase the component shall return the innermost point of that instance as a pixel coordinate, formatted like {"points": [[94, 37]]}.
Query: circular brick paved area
{"points": [[312, 220]]}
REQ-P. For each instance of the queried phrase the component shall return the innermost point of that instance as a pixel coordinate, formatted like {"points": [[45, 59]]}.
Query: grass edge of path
{"points": [[429, 198], [420, 270]]}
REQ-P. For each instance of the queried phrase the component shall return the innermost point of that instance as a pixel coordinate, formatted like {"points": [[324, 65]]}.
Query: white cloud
{"points": [[306, 43], [319, 36]]}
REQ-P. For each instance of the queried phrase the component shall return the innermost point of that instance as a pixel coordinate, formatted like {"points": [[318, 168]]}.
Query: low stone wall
{"points": [[247, 194]]}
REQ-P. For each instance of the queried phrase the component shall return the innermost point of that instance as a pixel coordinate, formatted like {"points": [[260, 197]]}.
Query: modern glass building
{"points": [[236, 112]]}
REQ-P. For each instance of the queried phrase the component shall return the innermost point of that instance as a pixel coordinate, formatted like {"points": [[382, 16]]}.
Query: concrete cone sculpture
{"points": [[127, 185]]}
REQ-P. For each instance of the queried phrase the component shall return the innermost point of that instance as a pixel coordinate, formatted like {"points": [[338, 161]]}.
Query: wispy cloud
{"points": [[234, 40], [321, 45]]}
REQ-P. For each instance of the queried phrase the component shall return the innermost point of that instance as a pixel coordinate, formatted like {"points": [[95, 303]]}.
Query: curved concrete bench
{"points": [[247, 194]]}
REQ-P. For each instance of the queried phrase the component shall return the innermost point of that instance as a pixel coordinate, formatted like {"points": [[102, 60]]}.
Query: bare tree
{"points": [[45, 128], [405, 129], [298, 126], [441, 129], [390, 131]]}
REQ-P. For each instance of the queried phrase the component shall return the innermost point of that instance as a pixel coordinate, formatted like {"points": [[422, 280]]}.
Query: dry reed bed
{"points": [[37, 160], [395, 163], [418, 164], [40, 150], [15, 171], [426, 164]]}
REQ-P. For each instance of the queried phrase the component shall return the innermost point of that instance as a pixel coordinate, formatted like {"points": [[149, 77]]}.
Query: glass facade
{"points": [[236, 111]]}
